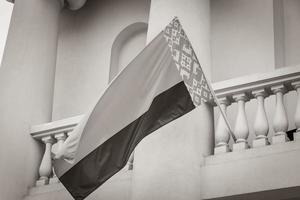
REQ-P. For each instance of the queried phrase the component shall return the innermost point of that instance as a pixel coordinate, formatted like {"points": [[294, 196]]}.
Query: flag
{"points": [[164, 82]]}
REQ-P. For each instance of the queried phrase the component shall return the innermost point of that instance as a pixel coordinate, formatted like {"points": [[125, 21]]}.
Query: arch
{"points": [[128, 43]]}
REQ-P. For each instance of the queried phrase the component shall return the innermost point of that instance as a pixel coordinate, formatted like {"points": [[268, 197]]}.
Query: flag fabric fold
{"points": [[164, 82]]}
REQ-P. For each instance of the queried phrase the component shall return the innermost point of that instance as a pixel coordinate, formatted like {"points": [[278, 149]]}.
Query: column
{"points": [[26, 87], [167, 162]]}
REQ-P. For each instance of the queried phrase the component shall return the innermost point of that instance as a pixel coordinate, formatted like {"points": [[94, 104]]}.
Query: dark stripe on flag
{"points": [[111, 156]]}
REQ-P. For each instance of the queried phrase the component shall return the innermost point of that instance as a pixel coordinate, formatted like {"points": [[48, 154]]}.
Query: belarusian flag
{"points": [[164, 82]]}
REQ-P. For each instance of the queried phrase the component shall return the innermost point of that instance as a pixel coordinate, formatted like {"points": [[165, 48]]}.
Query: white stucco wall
{"points": [[291, 31], [131, 48], [84, 49], [286, 31], [279, 46], [127, 45], [242, 38]]}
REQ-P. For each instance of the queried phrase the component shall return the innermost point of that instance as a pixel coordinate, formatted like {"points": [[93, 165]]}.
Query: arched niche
{"points": [[129, 42]]}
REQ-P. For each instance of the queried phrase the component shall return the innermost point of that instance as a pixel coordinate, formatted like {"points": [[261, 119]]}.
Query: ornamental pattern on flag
{"points": [[187, 63]]}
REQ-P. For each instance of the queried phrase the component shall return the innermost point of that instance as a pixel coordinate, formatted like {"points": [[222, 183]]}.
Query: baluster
{"points": [[280, 121], [261, 125], [296, 85], [69, 133], [45, 169], [130, 161], [222, 135], [241, 130], [60, 138]]}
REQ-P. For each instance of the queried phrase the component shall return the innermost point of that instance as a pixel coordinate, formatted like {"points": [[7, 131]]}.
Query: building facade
{"points": [[60, 57]]}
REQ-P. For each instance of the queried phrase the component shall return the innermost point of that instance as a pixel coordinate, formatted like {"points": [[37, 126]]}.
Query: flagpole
{"points": [[223, 115], [213, 93], [219, 106]]}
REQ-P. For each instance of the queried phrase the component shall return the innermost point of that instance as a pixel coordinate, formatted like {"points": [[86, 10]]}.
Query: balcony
{"points": [[263, 162]]}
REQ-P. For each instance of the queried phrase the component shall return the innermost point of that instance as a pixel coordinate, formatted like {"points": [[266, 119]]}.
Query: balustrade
{"points": [[237, 91], [259, 87], [53, 135]]}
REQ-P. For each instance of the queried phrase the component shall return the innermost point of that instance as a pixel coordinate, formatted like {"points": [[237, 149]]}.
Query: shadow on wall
{"points": [[129, 42]]}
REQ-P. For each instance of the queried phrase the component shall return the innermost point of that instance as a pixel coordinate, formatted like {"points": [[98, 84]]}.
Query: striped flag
{"points": [[164, 82]]}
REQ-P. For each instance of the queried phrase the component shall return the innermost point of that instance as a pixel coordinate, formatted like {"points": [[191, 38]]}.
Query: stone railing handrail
{"points": [[52, 133], [52, 128], [55, 133], [257, 86], [252, 82]]}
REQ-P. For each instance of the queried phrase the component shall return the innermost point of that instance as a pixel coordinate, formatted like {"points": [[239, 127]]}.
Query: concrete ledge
{"points": [[277, 139], [121, 183], [276, 168], [253, 153], [221, 149], [241, 146], [260, 142], [285, 193], [41, 182]]}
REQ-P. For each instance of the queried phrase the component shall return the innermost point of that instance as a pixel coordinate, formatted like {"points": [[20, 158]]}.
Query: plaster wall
{"points": [[131, 48], [84, 50], [242, 38], [279, 40], [129, 42], [291, 31]]}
